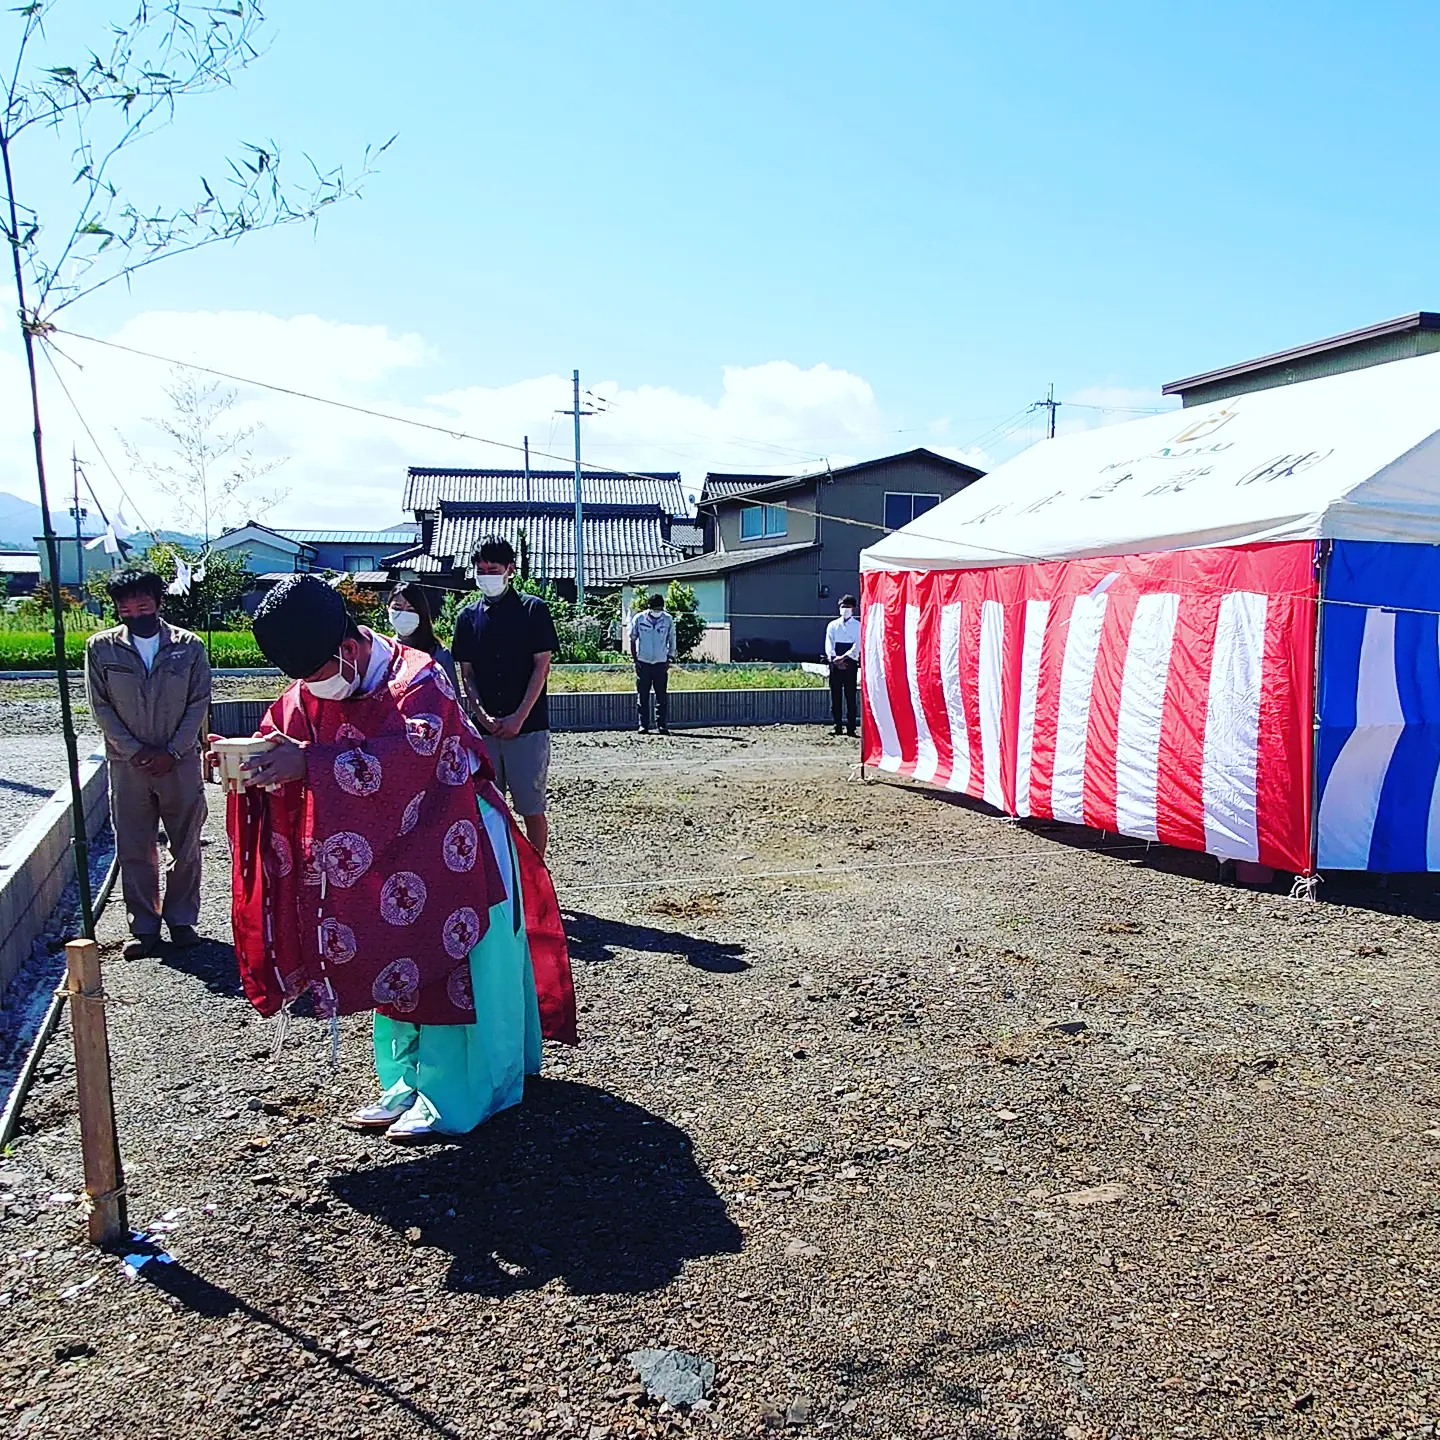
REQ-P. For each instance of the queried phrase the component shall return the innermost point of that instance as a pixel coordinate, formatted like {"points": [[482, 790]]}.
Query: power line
{"points": [[454, 434], [1122, 409], [85, 425]]}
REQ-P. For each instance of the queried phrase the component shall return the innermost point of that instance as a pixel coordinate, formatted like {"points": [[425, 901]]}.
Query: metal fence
{"points": [[611, 710]]}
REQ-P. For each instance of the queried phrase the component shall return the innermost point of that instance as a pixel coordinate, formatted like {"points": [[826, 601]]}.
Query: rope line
{"points": [[730, 877]]}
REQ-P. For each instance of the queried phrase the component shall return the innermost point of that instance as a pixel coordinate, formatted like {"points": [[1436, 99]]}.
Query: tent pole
{"points": [[1322, 573]]}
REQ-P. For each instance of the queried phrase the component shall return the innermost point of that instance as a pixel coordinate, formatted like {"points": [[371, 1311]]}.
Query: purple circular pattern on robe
{"points": [[461, 933], [411, 818], [337, 942], [462, 845], [441, 680], [397, 986], [453, 766], [345, 857], [424, 732], [280, 859], [311, 874], [357, 772], [460, 989], [402, 898]]}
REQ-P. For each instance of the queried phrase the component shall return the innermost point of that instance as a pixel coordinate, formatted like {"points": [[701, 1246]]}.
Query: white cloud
{"points": [[1093, 406], [346, 468], [343, 468]]}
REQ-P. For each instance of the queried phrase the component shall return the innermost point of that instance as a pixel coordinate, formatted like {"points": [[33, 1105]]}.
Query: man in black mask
{"points": [[149, 688]]}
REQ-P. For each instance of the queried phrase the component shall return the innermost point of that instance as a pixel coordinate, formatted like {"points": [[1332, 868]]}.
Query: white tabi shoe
{"points": [[413, 1128], [375, 1117]]}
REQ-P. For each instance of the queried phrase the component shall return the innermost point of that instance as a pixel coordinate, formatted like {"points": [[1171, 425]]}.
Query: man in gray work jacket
{"points": [[149, 689]]}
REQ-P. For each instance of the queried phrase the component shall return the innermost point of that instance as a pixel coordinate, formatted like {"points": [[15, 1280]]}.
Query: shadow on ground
{"points": [[594, 940], [193, 1292], [573, 1184], [20, 787], [211, 961], [1416, 897], [917, 1373]]}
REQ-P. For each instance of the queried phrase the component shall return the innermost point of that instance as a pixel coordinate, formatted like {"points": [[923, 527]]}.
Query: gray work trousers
{"points": [[138, 804]]}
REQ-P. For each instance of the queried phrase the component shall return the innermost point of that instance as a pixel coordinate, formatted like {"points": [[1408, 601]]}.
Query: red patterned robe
{"points": [[370, 882]]}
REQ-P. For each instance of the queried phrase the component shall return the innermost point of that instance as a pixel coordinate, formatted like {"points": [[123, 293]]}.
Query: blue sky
{"points": [[945, 206]]}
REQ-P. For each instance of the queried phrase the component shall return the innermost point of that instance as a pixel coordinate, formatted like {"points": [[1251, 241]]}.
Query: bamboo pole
{"points": [[99, 1143]]}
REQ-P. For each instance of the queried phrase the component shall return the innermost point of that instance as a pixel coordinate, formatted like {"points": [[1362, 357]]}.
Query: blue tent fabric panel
{"points": [[1379, 704]]}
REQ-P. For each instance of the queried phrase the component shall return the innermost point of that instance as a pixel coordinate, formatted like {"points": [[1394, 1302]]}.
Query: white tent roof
{"points": [[1346, 457]]}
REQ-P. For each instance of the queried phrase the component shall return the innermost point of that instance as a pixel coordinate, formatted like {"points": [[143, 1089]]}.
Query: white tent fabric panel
{"points": [[1346, 457]]}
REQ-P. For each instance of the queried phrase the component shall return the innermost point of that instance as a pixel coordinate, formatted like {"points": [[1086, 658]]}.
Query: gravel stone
{"points": [[673, 1376]]}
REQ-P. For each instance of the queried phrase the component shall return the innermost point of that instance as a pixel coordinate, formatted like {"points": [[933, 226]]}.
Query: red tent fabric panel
{"points": [[1168, 696]]}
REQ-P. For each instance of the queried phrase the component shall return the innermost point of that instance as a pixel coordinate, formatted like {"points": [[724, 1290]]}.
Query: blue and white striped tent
{"points": [[1378, 760]]}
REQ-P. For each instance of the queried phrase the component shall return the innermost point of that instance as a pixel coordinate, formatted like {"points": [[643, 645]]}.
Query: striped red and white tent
{"points": [[1119, 628]]}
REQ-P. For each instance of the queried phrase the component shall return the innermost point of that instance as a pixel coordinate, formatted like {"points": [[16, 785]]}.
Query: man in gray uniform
{"points": [[149, 688]]}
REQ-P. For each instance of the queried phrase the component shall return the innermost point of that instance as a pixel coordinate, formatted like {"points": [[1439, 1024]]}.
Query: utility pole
{"points": [[79, 512], [527, 469], [578, 413], [1051, 404]]}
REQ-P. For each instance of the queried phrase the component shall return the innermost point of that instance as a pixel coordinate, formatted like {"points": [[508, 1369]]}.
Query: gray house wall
{"points": [[799, 523], [801, 592], [764, 602]]}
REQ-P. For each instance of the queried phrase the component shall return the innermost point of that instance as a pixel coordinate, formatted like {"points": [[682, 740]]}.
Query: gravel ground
{"points": [[32, 707], [965, 1129], [32, 767]]}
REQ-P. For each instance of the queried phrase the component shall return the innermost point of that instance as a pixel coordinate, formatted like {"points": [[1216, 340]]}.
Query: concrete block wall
{"points": [[609, 710], [38, 863]]}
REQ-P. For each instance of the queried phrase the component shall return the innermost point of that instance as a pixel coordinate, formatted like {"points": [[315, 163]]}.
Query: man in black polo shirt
{"points": [[502, 648]]}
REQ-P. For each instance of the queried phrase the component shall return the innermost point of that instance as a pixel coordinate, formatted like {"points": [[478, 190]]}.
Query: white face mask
{"points": [[491, 586], [847, 612], [337, 687], [404, 622]]}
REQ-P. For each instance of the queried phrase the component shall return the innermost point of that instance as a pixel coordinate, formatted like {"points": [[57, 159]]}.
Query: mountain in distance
{"points": [[20, 524]]}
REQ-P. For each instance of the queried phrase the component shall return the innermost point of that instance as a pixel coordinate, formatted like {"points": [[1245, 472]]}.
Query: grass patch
{"points": [[565, 680], [35, 649]]}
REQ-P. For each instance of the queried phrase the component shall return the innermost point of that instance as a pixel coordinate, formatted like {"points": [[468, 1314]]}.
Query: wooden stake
{"points": [[99, 1144]]}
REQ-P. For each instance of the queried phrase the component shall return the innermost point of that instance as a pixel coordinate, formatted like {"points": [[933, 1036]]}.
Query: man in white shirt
{"points": [[842, 650], [652, 647]]}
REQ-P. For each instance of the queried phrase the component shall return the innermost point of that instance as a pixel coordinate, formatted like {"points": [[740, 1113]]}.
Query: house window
{"points": [[902, 508], [758, 521], [355, 563]]}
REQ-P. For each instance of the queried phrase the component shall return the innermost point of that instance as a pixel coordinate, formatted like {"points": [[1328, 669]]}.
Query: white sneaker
{"points": [[414, 1127], [375, 1117]]}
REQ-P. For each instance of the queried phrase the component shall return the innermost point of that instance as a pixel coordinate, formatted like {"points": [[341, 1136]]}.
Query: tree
{"points": [[365, 606], [684, 608], [123, 91], [216, 597], [211, 471], [689, 626]]}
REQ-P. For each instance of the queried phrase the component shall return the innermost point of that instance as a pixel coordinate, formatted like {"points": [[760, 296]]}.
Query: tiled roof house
{"points": [[631, 522]]}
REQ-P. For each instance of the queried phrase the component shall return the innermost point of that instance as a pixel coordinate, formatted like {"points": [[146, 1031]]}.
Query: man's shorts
{"points": [[522, 766]]}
